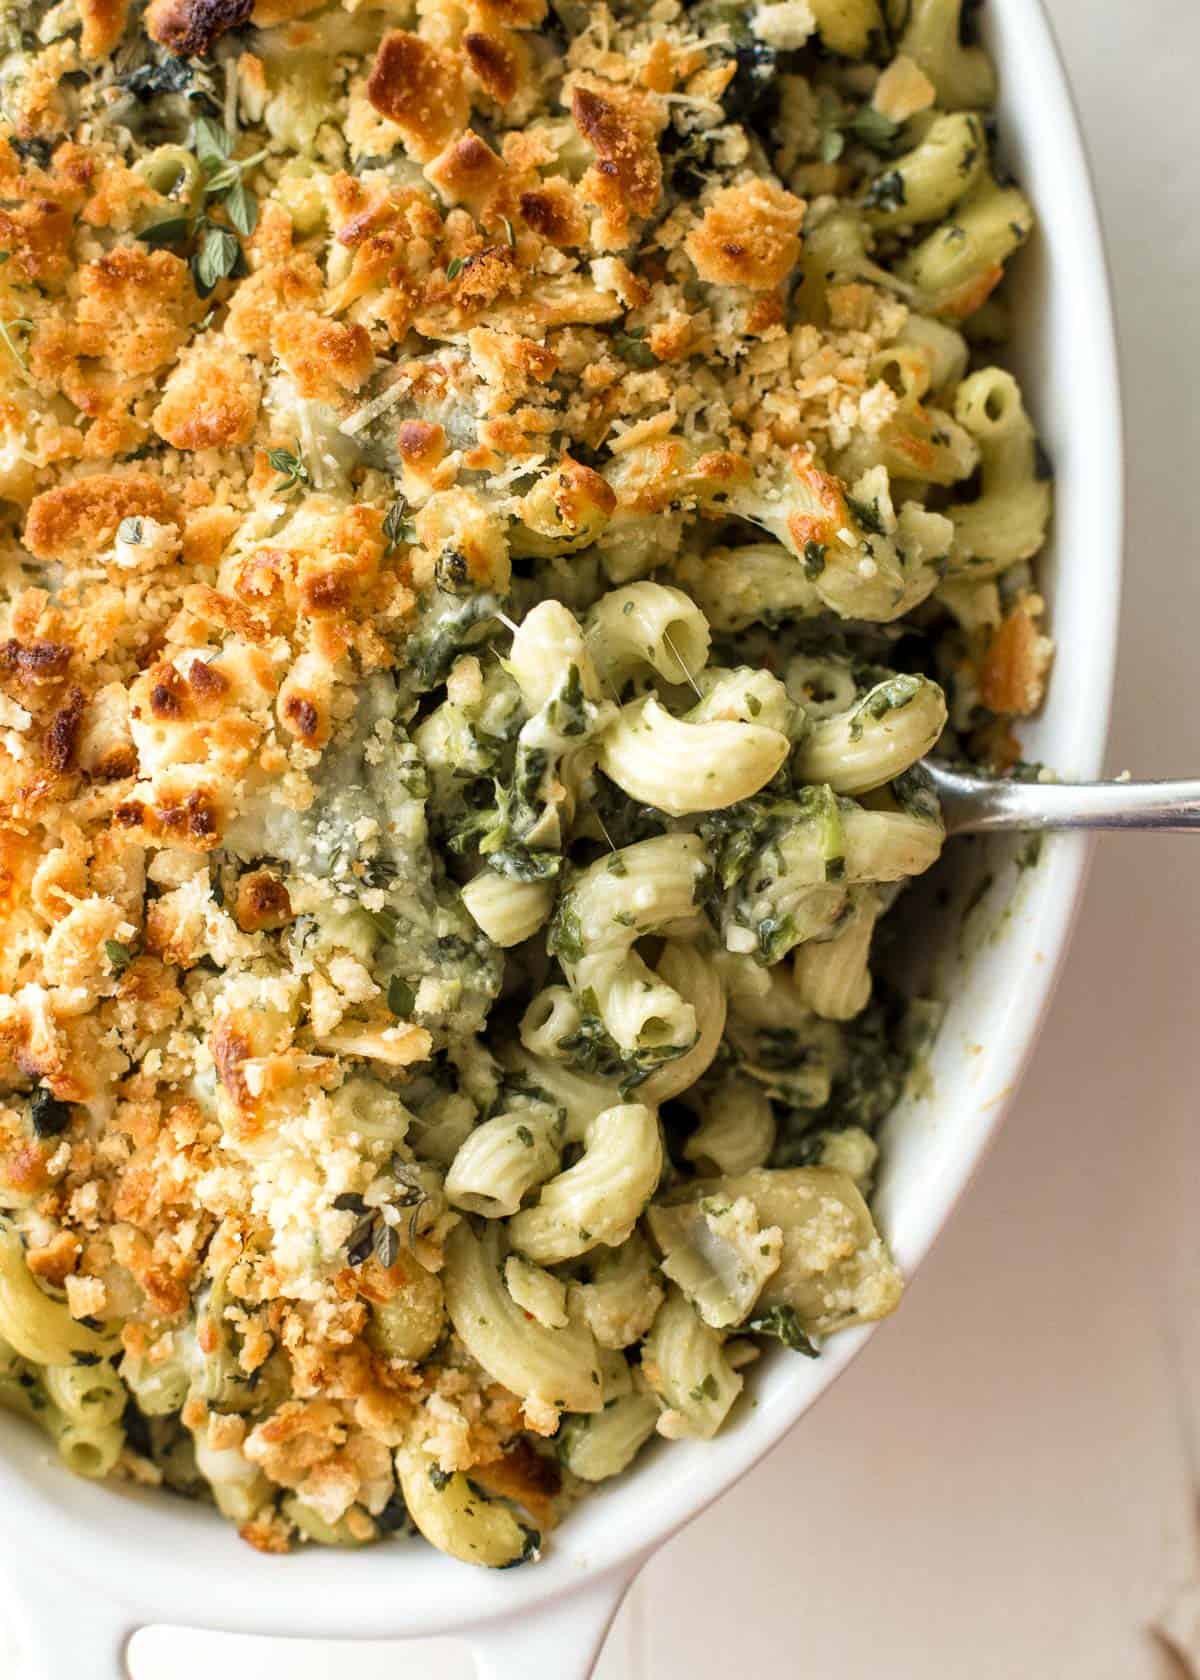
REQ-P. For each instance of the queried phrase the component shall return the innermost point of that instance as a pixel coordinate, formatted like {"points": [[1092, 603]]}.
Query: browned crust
{"points": [[1012, 677], [421, 444], [420, 88], [34, 663], [627, 178], [267, 13], [193, 820], [229, 1050], [552, 210], [325, 358], [487, 276], [817, 527], [529, 1478], [74, 520], [579, 491], [467, 171], [262, 902], [37, 233], [302, 716], [103, 25], [959, 305], [750, 236], [495, 62], [513, 14], [209, 402], [192, 28], [55, 1260], [63, 733]]}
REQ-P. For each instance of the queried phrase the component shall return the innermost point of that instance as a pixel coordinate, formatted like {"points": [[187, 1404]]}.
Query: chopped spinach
{"points": [[783, 1323], [48, 1116]]}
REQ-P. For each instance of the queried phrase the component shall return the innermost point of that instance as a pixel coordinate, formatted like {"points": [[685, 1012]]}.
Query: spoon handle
{"points": [[973, 806]]}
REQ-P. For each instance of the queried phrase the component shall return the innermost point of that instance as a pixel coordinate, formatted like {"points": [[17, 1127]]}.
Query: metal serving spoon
{"points": [[973, 804]]}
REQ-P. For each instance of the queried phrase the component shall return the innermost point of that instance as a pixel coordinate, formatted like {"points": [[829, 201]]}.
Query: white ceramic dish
{"points": [[92, 1564]]}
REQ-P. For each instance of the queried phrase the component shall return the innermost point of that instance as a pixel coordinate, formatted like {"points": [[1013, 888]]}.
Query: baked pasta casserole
{"points": [[498, 500]]}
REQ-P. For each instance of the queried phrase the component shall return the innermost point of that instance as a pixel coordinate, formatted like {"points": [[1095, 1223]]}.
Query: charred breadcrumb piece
{"points": [[330, 349]]}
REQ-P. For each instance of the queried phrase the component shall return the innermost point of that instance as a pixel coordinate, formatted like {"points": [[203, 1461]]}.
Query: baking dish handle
{"points": [[66, 1630], [561, 1640]]}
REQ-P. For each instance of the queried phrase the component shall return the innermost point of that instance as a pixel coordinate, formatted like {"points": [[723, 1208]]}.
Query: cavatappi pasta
{"points": [[496, 502]]}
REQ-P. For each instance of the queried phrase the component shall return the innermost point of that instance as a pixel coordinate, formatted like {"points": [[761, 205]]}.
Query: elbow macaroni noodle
{"points": [[449, 817]]}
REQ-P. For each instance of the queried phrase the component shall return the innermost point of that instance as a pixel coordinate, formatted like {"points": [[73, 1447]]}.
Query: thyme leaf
{"points": [[291, 463]]}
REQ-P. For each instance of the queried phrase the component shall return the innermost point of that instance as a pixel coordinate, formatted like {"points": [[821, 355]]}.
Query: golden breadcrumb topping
{"points": [[329, 330]]}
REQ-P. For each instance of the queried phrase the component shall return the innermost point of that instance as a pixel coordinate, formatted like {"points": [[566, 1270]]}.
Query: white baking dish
{"points": [[91, 1563]]}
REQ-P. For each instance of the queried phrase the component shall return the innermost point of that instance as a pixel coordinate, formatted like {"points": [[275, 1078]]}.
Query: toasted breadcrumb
{"points": [[327, 345]]}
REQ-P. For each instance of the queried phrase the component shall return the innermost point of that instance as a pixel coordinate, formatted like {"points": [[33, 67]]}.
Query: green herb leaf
{"points": [[362, 1241], [292, 466], [393, 523], [218, 257], [175, 230], [211, 143], [119, 956], [565, 938], [241, 207], [874, 129], [782, 1323], [222, 176], [400, 997], [387, 1244], [631, 347], [454, 268], [867, 514], [385, 922]]}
